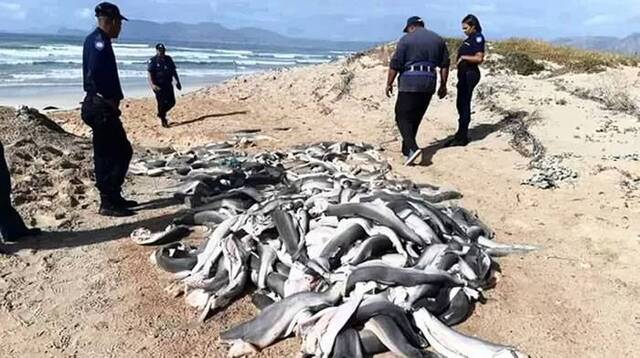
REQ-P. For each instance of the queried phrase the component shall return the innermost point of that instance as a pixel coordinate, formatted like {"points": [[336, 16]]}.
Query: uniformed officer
{"points": [[418, 54], [100, 110], [12, 226], [470, 56], [162, 71]]}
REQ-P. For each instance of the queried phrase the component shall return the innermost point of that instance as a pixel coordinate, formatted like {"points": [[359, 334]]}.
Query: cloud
{"points": [[354, 20], [10, 6], [599, 20], [84, 13], [12, 11], [484, 8]]}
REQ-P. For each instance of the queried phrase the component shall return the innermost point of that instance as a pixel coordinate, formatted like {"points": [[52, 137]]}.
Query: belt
{"points": [[98, 95], [421, 68]]}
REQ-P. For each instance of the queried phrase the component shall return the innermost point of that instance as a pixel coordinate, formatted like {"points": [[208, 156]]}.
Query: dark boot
{"points": [[120, 201], [107, 208], [164, 121]]}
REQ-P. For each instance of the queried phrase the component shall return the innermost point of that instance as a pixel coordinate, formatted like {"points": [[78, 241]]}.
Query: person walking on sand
{"points": [[12, 227], [470, 56], [162, 71], [112, 150], [415, 60]]}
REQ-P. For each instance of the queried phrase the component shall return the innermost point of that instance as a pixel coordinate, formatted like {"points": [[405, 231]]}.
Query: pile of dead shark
{"points": [[334, 247]]}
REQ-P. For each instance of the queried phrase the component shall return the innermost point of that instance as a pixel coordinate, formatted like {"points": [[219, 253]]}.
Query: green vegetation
{"points": [[524, 56], [571, 59], [522, 64]]}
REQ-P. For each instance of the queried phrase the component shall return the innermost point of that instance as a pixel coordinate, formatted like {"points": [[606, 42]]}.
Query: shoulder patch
{"points": [[479, 39], [99, 45]]}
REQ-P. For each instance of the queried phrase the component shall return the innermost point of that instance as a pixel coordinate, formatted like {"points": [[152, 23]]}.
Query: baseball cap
{"points": [[160, 46], [109, 10], [413, 20]]}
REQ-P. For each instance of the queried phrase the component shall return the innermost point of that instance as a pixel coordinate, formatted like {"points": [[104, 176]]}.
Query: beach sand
{"points": [[576, 297], [69, 97]]}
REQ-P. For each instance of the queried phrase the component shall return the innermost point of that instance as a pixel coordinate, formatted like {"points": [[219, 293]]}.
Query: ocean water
{"points": [[39, 67]]}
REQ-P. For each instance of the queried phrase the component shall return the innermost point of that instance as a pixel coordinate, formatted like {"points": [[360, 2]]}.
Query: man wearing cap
{"points": [[112, 151], [418, 54], [162, 71]]}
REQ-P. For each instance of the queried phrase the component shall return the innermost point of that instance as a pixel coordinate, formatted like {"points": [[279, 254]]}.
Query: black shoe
{"points": [[165, 122], [120, 201], [115, 211]]}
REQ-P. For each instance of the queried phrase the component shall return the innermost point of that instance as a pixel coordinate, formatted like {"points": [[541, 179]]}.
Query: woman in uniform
{"points": [[470, 56]]}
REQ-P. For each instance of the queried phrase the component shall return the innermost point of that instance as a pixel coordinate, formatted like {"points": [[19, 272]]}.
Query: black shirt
{"points": [[470, 46], [419, 47], [99, 67], [162, 70]]}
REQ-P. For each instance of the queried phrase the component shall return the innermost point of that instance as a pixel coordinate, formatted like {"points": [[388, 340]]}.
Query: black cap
{"points": [[412, 21], [160, 46], [109, 10]]}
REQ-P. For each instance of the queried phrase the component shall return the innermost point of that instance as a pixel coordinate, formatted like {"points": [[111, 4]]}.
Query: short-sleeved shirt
{"points": [[162, 70], [470, 46], [419, 47], [99, 67]]}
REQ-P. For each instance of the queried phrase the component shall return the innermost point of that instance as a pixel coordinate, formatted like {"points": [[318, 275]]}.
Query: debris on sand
{"points": [[341, 253], [51, 169], [549, 172]]}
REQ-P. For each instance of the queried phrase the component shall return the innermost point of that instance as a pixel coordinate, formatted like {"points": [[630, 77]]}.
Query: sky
{"points": [[358, 20]]}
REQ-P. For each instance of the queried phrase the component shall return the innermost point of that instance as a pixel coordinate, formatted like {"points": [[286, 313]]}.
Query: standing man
{"points": [[112, 151], [162, 71], [12, 226], [417, 56]]}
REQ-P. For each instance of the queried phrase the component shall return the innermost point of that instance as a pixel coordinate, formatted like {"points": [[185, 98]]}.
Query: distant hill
{"points": [[210, 32], [627, 45]]}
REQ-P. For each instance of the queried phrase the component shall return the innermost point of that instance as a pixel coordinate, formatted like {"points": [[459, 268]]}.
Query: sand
{"points": [[93, 292]]}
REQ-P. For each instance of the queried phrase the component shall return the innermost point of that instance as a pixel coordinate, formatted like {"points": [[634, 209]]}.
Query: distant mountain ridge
{"points": [[211, 32], [628, 45]]}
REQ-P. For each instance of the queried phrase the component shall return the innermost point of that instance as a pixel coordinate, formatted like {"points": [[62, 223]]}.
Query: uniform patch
{"points": [[479, 39], [99, 45]]}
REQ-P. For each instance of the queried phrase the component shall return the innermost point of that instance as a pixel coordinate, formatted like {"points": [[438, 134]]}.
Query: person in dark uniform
{"points": [[418, 54], [12, 226], [470, 56], [162, 71], [112, 151]]}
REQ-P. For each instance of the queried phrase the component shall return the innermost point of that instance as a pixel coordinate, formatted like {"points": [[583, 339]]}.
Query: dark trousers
{"points": [[166, 100], [112, 150], [11, 224], [410, 108], [467, 82]]}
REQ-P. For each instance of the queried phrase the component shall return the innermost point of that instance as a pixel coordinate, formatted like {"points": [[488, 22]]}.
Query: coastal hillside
{"points": [[211, 32], [553, 162], [628, 45]]}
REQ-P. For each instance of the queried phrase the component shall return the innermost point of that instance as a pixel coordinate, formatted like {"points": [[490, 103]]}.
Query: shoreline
{"points": [[65, 98]]}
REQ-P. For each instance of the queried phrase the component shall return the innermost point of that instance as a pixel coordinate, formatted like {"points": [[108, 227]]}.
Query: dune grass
{"points": [[571, 59], [523, 56]]}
